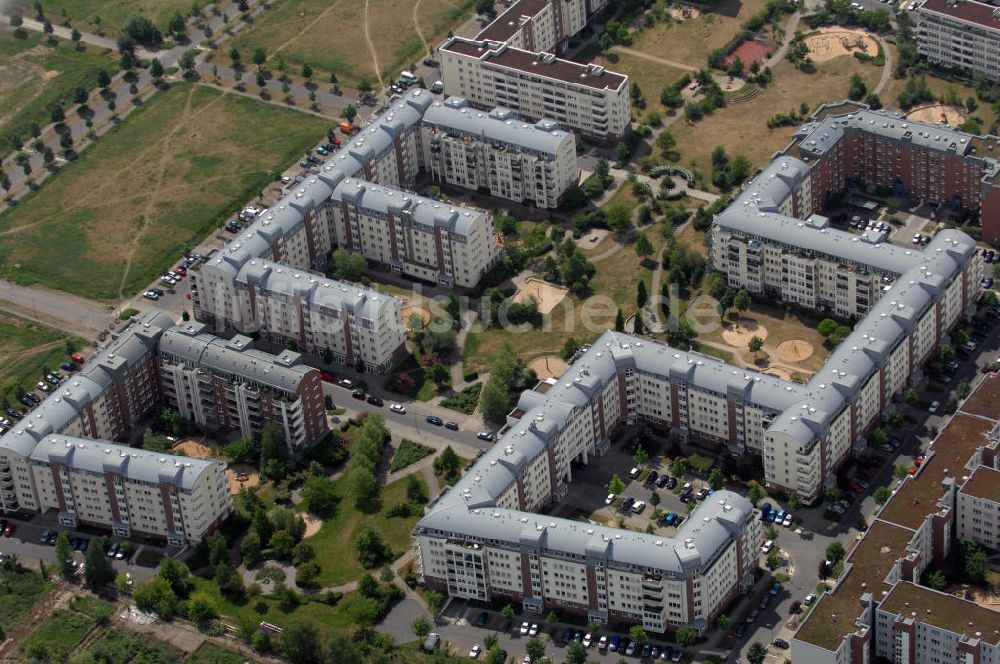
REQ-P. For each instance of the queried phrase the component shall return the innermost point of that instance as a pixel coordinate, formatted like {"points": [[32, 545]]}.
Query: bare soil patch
{"points": [[548, 295], [548, 366], [832, 43], [194, 448], [242, 475], [780, 373], [750, 51], [741, 332], [313, 524], [409, 310], [794, 350], [953, 115]]}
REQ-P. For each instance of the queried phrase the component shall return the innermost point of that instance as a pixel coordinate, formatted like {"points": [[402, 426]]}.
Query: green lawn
{"points": [[35, 76], [408, 454], [26, 589], [337, 534], [55, 638], [107, 17], [117, 646], [26, 348], [209, 653], [155, 185]]}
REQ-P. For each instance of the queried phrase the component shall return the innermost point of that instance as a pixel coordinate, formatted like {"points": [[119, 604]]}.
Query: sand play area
{"points": [[548, 366], [830, 43], [240, 474], [410, 309], [194, 448], [313, 524], [740, 334], [548, 295], [953, 115], [780, 373], [684, 13], [793, 350]]}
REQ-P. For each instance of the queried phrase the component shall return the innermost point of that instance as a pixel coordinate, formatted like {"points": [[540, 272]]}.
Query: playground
{"points": [[749, 51], [943, 113], [829, 43], [240, 475], [548, 295], [547, 366]]}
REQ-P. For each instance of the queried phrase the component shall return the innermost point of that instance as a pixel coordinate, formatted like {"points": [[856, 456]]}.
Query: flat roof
{"points": [[983, 402], [966, 10], [544, 65], [919, 495], [944, 611], [983, 483], [507, 24], [837, 612]]}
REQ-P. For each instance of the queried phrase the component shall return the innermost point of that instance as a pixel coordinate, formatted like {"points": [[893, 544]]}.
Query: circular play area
{"points": [[933, 113], [829, 43], [793, 350], [313, 524], [410, 309], [547, 366], [240, 474], [740, 334]]}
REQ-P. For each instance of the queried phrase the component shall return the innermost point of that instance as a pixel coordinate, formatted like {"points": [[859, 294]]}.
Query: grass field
{"points": [[651, 76], [155, 185], [338, 532], [108, 16], [55, 638], [35, 75], [691, 41], [330, 36], [26, 589], [742, 128], [25, 348]]}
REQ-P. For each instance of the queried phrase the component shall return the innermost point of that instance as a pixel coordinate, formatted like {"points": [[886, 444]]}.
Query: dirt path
{"points": [[416, 25], [322, 15], [371, 47], [886, 68], [653, 58]]}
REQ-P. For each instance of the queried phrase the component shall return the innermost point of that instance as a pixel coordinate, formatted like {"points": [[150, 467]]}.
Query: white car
{"points": [[916, 238], [588, 639], [474, 652], [810, 598], [610, 499], [787, 521], [524, 629], [767, 546], [526, 660], [933, 407], [534, 630], [638, 506], [397, 408], [634, 473]]}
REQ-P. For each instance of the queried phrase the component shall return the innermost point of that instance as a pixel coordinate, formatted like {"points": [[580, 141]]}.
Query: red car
{"points": [[328, 377], [77, 358], [181, 270], [857, 488], [9, 530]]}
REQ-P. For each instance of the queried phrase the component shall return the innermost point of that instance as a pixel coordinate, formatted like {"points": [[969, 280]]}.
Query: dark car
{"points": [[651, 478], [567, 636], [481, 620], [430, 62], [671, 483], [780, 643], [16, 414], [375, 401], [69, 366], [451, 425], [435, 420], [741, 630], [359, 395], [662, 480], [627, 504], [32, 398]]}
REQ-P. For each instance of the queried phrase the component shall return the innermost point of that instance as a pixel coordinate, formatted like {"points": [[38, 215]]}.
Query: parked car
{"points": [[933, 408], [651, 478], [375, 401], [359, 395], [397, 408], [809, 599], [474, 651], [775, 589], [524, 629], [485, 435], [435, 420], [602, 643], [767, 546], [635, 472], [69, 366], [616, 641], [43, 386], [780, 643], [451, 425], [150, 295], [662, 480], [638, 507], [610, 499], [787, 521]]}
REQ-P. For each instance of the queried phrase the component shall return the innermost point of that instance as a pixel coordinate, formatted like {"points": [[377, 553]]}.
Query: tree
{"points": [[175, 573], [857, 88], [756, 493], [439, 374], [877, 437], [307, 574], [616, 486], [895, 419], [64, 554], [638, 634], [679, 467], [666, 142], [962, 390], [722, 622], [755, 344], [348, 266], [990, 299], [156, 68], [937, 580], [98, 570], [757, 653], [259, 57], [619, 218], [654, 498], [973, 560], [141, 29], [421, 627], [911, 397], [434, 599], [795, 502], [686, 636], [370, 547], [620, 321], [307, 71], [716, 479], [177, 26], [320, 495], [507, 612], [57, 115], [552, 617], [300, 643], [349, 113], [882, 495], [742, 301], [281, 545], [187, 61], [576, 653], [535, 649], [643, 248], [900, 472], [155, 595], [826, 327], [201, 608], [835, 552], [641, 456], [218, 549]]}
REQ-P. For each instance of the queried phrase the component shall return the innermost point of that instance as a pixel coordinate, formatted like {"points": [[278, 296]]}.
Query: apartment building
{"points": [[420, 237], [129, 491], [228, 384], [978, 508], [878, 609], [960, 34], [583, 98], [541, 25], [497, 153]]}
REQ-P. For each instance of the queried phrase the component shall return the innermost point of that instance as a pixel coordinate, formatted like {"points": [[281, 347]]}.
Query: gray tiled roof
{"points": [[134, 464], [500, 126], [425, 211]]}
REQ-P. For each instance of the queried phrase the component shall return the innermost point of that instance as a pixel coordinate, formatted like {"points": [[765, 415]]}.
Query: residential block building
{"points": [[541, 25], [584, 98], [878, 608], [978, 507], [228, 384], [497, 153], [262, 281], [960, 34], [56, 456]]}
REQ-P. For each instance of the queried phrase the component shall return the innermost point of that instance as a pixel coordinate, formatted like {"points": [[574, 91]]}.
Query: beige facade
{"points": [[961, 35]]}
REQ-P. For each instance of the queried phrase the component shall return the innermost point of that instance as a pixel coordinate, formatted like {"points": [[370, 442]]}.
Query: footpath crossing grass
{"points": [[35, 75], [109, 222]]}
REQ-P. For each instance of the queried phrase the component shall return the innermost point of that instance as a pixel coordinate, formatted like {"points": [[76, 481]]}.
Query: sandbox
{"points": [[313, 524], [410, 309], [740, 334], [194, 448], [830, 43], [548, 295], [934, 113], [242, 475], [684, 13], [548, 366], [780, 373], [794, 350]]}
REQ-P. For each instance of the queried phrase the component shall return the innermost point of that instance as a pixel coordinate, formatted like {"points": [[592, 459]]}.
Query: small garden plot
{"points": [[408, 454], [464, 401]]}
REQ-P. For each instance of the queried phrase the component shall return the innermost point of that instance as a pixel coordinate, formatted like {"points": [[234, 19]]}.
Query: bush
{"points": [[465, 401], [409, 453]]}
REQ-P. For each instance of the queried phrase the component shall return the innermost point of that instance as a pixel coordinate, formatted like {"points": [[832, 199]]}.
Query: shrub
{"points": [[465, 401], [409, 453]]}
